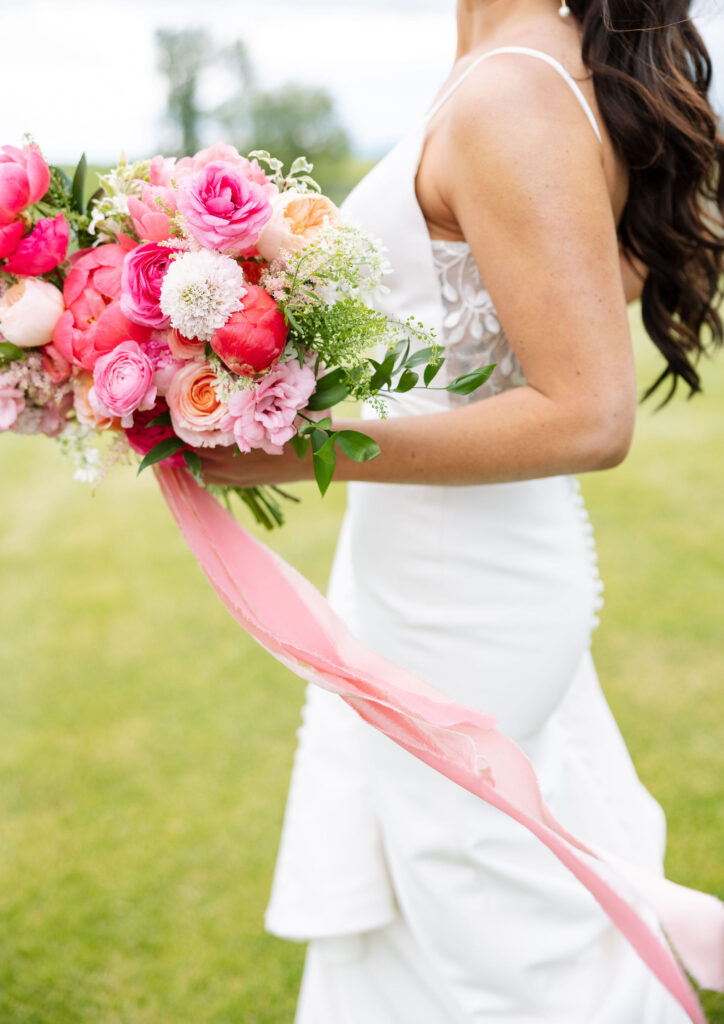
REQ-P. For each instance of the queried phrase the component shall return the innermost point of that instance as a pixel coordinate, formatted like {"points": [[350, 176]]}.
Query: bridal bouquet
{"points": [[210, 300]]}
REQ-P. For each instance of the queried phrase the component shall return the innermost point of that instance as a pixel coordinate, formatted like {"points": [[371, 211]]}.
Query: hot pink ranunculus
{"points": [[224, 209], [122, 383], [263, 416], [42, 250], [12, 403], [143, 438], [151, 214], [144, 269], [93, 323], [10, 235], [24, 179], [196, 410], [254, 336]]}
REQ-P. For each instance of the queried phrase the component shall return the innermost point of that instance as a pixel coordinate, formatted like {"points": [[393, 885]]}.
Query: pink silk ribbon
{"points": [[289, 617]]}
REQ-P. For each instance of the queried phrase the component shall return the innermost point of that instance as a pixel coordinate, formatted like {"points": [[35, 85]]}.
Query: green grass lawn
{"points": [[146, 743]]}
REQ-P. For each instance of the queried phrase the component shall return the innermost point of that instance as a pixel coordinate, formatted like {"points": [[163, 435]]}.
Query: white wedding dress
{"points": [[423, 904]]}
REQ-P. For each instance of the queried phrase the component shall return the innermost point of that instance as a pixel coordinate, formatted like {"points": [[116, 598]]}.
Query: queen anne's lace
{"points": [[472, 332]]}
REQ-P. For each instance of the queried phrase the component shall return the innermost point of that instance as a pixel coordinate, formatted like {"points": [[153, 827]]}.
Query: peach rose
{"points": [[84, 410], [29, 311], [297, 219], [184, 348], [196, 411]]}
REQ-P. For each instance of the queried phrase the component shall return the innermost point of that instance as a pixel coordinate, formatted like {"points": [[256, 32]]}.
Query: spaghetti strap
{"points": [[533, 53]]}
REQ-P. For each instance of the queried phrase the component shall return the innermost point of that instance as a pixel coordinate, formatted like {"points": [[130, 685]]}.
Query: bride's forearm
{"points": [[518, 435]]}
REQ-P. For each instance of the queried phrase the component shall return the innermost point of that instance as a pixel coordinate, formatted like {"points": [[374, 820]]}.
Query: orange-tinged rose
{"points": [[84, 410], [195, 407], [296, 220]]}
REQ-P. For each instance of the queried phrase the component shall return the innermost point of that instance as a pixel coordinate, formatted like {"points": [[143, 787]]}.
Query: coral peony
{"points": [[254, 337], [10, 235], [297, 219], [144, 269], [263, 416], [143, 438], [122, 383], [29, 311], [196, 411], [223, 208], [42, 250], [24, 179]]}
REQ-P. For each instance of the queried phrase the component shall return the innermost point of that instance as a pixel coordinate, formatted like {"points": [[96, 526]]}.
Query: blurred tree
{"points": [[183, 55], [293, 120]]}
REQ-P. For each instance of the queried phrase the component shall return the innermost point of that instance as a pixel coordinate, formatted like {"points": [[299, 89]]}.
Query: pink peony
{"points": [[144, 269], [196, 410], [10, 235], [151, 214], [253, 337], [42, 250], [122, 383], [163, 360], [223, 208], [263, 416], [12, 403], [143, 438], [29, 311], [24, 179]]}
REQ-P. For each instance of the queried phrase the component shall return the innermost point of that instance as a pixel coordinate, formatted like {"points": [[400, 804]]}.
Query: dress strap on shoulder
{"points": [[533, 53]]}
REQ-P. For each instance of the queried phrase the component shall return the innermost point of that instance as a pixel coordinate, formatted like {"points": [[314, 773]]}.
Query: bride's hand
{"points": [[229, 467]]}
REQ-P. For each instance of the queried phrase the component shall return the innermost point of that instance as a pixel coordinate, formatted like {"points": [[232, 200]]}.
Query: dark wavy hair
{"points": [[651, 73]]}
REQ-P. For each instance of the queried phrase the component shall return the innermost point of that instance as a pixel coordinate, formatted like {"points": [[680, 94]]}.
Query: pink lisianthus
{"points": [[42, 250], [24, 179], [143, 438], [223, 208], [144, 269], [122, 383], [196, 411], [151, 214], [263, 416], [163, 361], [10, 235], [12, 403]]}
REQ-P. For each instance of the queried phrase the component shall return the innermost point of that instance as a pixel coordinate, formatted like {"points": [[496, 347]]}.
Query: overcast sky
{"points": [[80, 74]]}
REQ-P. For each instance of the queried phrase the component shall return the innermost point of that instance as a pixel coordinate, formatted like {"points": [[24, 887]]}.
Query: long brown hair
{"points": [[652, 72]]}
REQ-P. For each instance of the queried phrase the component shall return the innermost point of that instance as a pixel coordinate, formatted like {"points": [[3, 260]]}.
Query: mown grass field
{"points": [[146, 743]]}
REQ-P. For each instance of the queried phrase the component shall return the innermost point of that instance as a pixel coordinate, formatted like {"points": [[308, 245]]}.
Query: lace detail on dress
{"points": [[472, 333]]}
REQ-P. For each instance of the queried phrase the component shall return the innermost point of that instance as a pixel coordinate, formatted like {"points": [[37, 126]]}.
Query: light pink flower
{"points": [[42, 250], [151, 214], [163, 361], [24, 179], [297, 219], [196, 411], [184, 348], [251, 169], [263, 416], [166, 169], [122, 383], [224, 210], [12, 403], [144, 269], [29, 311]]}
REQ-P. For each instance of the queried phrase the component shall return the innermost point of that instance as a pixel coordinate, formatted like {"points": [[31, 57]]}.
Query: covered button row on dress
{"points": [[587, 529]]}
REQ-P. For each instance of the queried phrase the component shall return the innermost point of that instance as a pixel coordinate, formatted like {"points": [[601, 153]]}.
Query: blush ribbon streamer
{"points": [[291, 619]]}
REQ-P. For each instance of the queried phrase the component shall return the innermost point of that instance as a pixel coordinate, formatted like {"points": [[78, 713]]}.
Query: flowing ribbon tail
{"points": [[288, 616]]}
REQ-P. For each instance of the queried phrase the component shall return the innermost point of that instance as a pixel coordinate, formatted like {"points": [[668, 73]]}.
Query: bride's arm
{"points": [[527, 186]]}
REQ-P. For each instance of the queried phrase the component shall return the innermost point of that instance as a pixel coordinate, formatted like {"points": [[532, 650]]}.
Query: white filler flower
{"points": [[200, 292]]}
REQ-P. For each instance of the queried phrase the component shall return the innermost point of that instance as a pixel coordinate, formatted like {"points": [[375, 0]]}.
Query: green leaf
{"points": [[78, 186], [324, 461], [431, 371], [307, 428], [9, 351], [402, 350], [65, 180], [357, 446], [193, 461], [161, 451], [162, 420], [407, 381], [94, 199], [300, 445], [383, 373], [331, 389], [466, 383], [321, 445], [423, 355]]}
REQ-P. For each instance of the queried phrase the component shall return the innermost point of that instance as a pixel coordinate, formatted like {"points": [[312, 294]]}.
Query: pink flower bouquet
{"points": [[212, 300]]}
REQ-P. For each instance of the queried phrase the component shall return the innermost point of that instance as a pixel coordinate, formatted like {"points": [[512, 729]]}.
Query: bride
{"points": [[568, 165]]}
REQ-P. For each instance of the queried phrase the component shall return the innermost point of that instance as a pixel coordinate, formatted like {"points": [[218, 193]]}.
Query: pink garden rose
{"points": [[29, 311], [122, 383], [93, 323], [254, 337], [143, 438], [12, 403], [24, 179], [144, 269], [196, 411], [224, 209], [151, 214], [263, 416], [10, 235], [42, 250]]}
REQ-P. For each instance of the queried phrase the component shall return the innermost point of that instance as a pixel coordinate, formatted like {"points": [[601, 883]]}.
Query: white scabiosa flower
{"points": [[200, 292]]}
